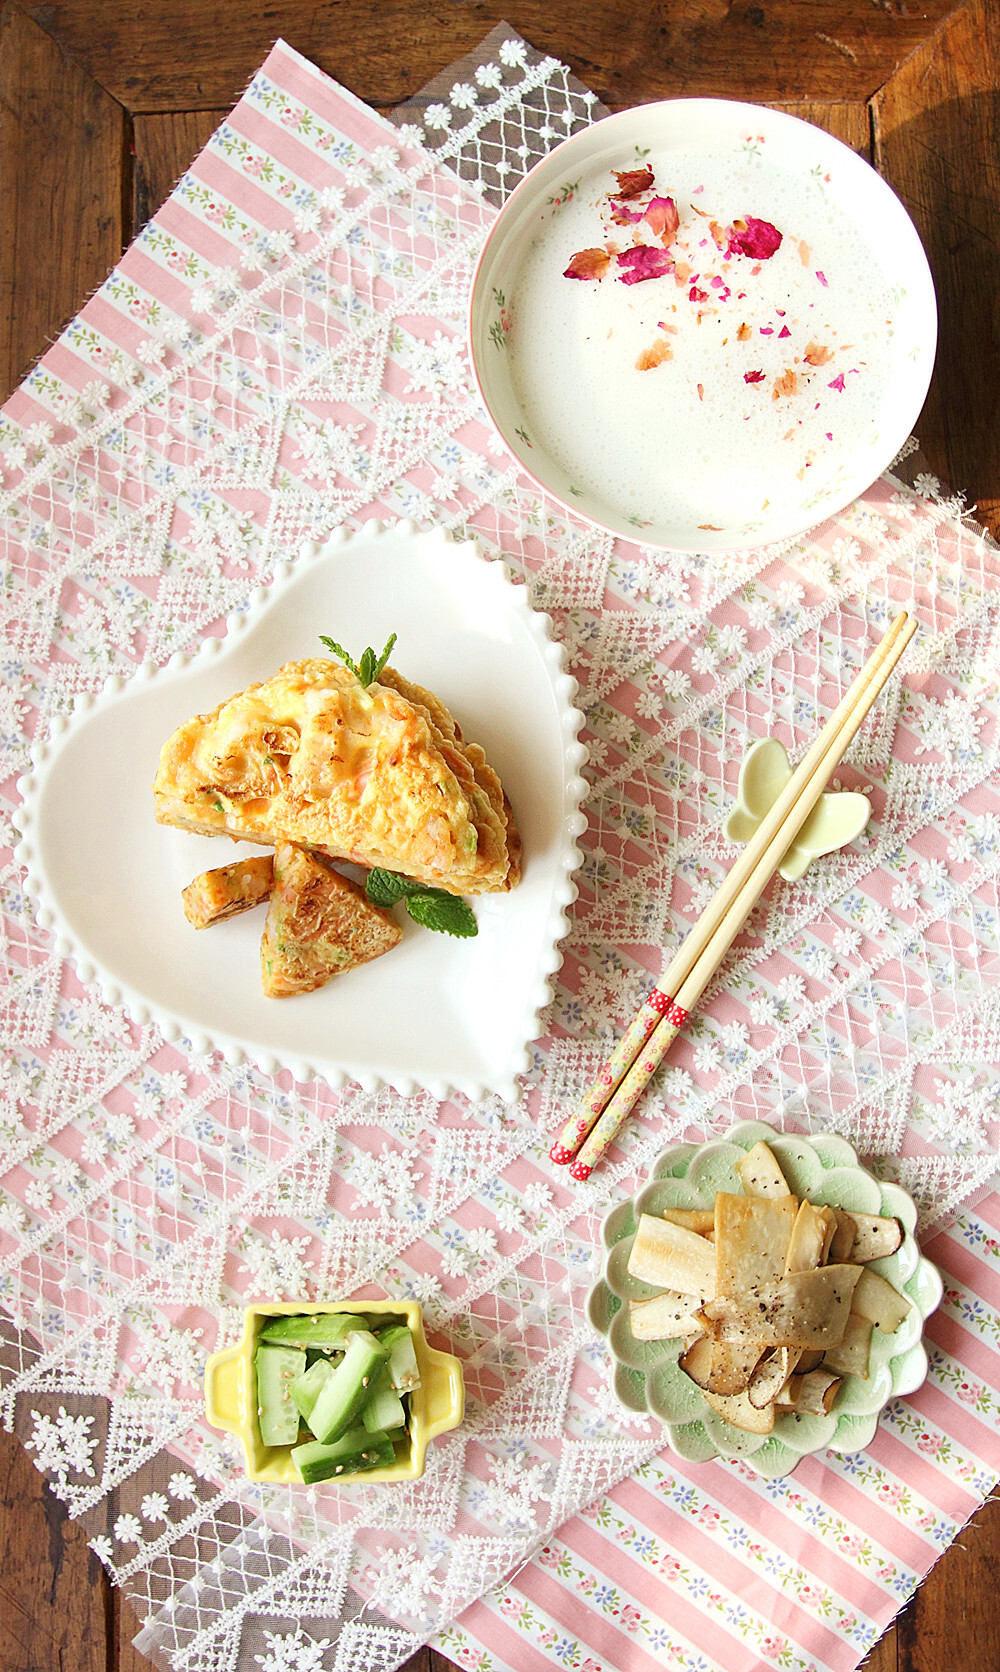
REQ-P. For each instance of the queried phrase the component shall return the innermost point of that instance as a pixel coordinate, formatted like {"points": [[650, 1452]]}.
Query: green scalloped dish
{"points": [[647, 1376]]}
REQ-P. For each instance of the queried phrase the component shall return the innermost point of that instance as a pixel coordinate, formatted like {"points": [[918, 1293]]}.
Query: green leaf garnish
{"points": [[431, 907], [384, 888], [371, 665], [444, 912], [338, 650]]}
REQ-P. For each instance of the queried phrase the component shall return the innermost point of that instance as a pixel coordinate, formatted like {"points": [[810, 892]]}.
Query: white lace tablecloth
{"points": [[282, 350]]}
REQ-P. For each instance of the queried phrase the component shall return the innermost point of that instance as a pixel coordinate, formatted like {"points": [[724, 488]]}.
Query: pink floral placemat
{"points": [[282, 350]]}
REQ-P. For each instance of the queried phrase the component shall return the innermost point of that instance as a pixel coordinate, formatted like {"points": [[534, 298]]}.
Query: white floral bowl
{"points": [[708, 447], [647, 1376]]}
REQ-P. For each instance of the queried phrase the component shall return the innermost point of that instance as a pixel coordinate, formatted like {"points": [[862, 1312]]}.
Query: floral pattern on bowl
{"points": [[691, 511], [647, 1376]]}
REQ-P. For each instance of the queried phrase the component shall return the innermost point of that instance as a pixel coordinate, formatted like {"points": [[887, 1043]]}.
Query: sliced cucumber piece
{"points": [[277, 1412], [346, 1390], [305, 1389], [383, 1408], [355, 1452], [403, 1367], [312, 1329], [325, 1355]]}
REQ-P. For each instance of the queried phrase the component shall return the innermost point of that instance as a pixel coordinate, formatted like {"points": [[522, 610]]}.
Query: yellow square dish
{"points": [[436, 1406]]}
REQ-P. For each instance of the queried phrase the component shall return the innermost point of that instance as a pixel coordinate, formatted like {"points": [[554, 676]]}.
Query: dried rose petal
{"points": [[644, 261], [655, 355], [817, 354], [786, 384], [838, 383], [588, 264], [696, 295], [755, 238], [633, 182], [743, 333], [753, 377], [662, 218], [624, 217]]}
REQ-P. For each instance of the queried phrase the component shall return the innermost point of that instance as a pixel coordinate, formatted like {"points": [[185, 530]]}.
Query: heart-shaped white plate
{"points": [[438, 1014]]}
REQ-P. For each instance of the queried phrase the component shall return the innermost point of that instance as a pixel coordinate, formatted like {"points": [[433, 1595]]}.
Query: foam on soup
{"points": [[739, 381]]}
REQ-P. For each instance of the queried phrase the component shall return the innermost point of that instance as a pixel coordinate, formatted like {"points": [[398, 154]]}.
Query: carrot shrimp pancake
{"points": [[375, 773]]}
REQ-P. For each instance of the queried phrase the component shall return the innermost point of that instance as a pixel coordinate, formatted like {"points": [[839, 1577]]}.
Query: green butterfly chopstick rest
{"points": [[838, 817]]}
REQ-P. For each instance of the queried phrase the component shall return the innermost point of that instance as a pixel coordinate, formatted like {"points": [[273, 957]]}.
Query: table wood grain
{"points": [[103, 103]]}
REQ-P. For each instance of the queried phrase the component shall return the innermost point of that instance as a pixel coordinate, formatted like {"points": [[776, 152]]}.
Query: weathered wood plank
{"points": [[163, 146], [850, 123], [53, 1599], [936, 124], [885, 1655], [385, 49], [122, 1657], [954, 1618], [937, 139], [62, 169]]}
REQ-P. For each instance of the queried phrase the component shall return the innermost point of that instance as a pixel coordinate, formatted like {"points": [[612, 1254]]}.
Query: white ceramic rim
{"points": [[236, 1046], [554, 163], [783, 1455]]}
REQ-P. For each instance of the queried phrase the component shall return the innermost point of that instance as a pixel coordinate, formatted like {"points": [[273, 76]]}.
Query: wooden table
{"points": [[102, 105]]}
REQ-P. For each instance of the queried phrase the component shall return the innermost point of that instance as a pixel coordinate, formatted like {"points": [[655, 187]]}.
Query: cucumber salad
{"points": [[335, 1387]]}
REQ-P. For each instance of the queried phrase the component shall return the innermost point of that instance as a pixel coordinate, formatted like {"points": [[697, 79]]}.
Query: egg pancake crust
{"points": [[377, 774], [319, 924]]}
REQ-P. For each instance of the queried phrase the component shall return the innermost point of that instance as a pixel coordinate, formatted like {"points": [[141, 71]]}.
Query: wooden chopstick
{"points": [[637, 1055], [659, 1006]]}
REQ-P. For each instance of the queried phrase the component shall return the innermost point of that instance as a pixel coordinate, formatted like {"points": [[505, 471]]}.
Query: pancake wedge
{"points": [[228, 890], [319, 924], [378, 774]]}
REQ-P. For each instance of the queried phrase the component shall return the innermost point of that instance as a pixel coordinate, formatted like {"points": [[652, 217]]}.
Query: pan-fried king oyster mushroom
{"points": [[378, 774]]}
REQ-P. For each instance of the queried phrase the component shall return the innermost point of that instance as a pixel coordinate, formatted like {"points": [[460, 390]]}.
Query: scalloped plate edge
{"points": [[236, 1052], [781, 1456]]}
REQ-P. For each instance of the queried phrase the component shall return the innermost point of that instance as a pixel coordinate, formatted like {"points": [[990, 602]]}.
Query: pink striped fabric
{"points": [[710, 1569], [707, 1567]]}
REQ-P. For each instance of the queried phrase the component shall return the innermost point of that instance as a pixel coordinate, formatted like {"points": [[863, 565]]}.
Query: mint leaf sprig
{"points": [[371, 665], [431, 907]]}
